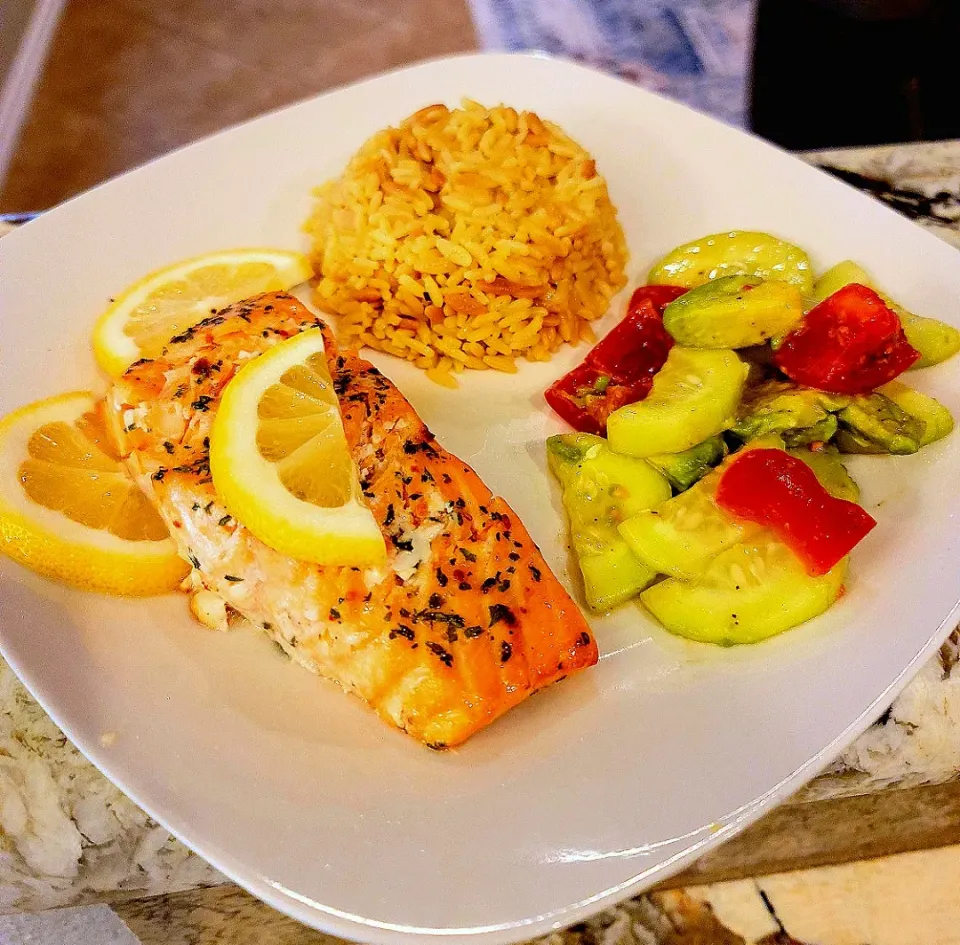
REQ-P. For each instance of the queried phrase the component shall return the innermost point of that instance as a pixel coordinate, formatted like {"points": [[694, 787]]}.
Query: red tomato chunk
{"points": [[851, 343], [619, 370], [775, 489]]}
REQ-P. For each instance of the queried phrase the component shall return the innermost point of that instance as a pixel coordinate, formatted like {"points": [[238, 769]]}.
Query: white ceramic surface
{"points": [[589, 791]]}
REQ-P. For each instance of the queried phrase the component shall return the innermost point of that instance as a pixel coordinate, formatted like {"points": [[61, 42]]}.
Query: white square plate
{"points": [[593, 789]]}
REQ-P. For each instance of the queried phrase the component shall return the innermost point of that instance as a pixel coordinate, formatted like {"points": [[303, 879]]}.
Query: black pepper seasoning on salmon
{"points": [[445, 656], [502, 612]]}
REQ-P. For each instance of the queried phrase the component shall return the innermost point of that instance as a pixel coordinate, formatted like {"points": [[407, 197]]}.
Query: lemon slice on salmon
{"points": [[280, 460], [68, 509], [167, 302]]}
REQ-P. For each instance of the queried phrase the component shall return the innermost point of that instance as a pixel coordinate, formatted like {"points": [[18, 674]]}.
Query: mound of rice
{"points": [[466, 238]]}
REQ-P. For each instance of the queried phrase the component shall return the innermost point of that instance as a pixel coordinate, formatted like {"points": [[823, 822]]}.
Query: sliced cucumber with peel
{"points": [[694, 396], [734, 253], [600, 490], [753, 590], [734, 312], [681, 537]]}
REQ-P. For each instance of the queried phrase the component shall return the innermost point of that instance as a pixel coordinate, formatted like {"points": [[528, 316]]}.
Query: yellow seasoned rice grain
{"points": [[498, 346], [454, 253], [409, 304], [414, 344], [411, 285], [524, 339], [442, 377], [454, 200], [479, 334], [507, 365], [450, 348]]}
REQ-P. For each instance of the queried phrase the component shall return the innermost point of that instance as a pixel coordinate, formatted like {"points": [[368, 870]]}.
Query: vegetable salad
{"points": [[706, 474]]}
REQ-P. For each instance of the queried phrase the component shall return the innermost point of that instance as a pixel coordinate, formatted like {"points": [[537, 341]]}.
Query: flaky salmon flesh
{"points": [[465, 621]]}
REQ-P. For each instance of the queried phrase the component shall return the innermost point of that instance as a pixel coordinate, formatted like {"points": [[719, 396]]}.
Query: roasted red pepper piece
{"points": [[775, 489], [851, 343], [619, 369]]}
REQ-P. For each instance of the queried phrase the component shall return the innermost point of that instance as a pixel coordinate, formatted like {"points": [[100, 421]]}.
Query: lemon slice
{"points": [[280, 461], [150, 312], [68, 509]]}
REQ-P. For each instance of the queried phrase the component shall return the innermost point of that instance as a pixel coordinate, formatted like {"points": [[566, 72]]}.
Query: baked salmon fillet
{"points": [[465, 620]]}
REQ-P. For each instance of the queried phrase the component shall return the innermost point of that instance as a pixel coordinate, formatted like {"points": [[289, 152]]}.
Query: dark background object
{"points": [[834, 73]]}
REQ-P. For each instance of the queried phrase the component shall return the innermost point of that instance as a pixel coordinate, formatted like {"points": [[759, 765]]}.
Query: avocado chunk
{"points": [[829, 469], [937, 419], [873, 423], [686, 468], [800, 415]]}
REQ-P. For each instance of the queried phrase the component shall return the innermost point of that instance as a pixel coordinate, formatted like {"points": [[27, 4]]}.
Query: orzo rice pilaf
{"points": [[467, 238]]}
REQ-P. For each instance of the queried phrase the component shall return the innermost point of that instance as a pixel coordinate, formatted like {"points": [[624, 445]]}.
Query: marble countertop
{"points": [[68, 836]]}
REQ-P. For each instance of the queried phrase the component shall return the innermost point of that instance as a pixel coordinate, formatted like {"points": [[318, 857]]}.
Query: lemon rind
{"points": [[250, 486], [53, 545], [115, 351]]}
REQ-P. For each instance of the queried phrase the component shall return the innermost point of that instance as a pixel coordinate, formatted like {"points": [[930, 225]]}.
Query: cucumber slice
{"points": [[567, 451], [733, 312], [681, 537], [601, 489], [937, 420], [612, 576], [686, 468], [836, 277], [750, 592], [694, 396], [738, 252], [935, 340], [831, 472]]}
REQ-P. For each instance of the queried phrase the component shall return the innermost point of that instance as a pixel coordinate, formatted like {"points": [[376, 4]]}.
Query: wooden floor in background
{"points": [[128, 80]]}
